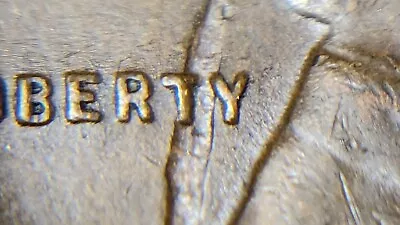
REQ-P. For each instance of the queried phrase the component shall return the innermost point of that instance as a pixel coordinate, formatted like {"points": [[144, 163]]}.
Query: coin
{"points": [[199, 112]]}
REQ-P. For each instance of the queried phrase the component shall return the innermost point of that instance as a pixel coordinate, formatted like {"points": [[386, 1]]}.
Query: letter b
{"points": [[33, 105]]}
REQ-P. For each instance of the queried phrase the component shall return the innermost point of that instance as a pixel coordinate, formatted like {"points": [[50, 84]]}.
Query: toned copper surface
{"points": [[200, 112]]}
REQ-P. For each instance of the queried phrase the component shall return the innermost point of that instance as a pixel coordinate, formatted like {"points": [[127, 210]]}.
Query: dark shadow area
{"points": [[3, 100]]}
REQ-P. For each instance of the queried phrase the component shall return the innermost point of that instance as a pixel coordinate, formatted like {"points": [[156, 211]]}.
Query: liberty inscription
{"points": [[34, 105]]}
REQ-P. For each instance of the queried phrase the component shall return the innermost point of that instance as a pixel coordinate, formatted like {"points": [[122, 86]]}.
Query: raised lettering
{"points": [[229, 96], [33, 104], [182, 85], [78, 97], [132, 89]]}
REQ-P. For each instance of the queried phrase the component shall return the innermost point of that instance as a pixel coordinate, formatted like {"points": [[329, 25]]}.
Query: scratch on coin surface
{"points": [[168, 220], [128, 189], [194, 35], [350, 201], [284, 120], [71, 54], [336, 116], [393, 62], [309, 15], [123, 60], [206, 171], [384, 219], [388, 88], [192, 42], [211, 148], [152, 161]]}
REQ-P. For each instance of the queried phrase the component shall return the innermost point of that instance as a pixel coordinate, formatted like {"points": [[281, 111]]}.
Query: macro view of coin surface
{"points": [[200, 112]]}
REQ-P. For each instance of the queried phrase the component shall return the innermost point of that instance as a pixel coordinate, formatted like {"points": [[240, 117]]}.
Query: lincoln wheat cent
{"points": [[199, 112]]}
